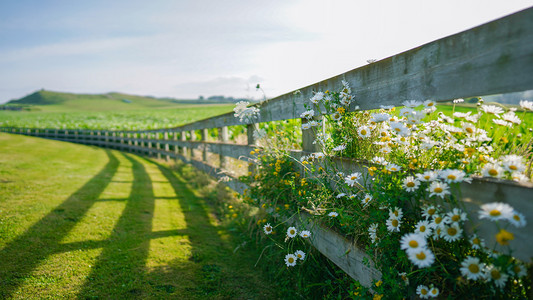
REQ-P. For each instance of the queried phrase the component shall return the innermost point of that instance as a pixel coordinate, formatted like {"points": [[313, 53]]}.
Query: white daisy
{"points": [[496, 211], [290, 260], [433, 292], [397, 213], [379, 117], [393, 225], [451, 233], [437, 188], [526, 105], [308, 114], [333, 214], [412, 242], [472, 269], [429, 211], [385, 150], [336, 116], [477, 242], [386, 107], [492, 170], [518, 270], [366, 200], [364, 132], [469, 128], [339, 148], [410, 184], [513, 163], [437, 222], [422, 291], [492, 109], [379, 160], [300, 254], [429, 103], [393, 167], [305, 233], [423, 228], [291, 232], [372, 232], [427, 176], [306, 126], [501, 122], [351, 179], [411, 103], [397, 127], [520, 177], [495, 274], [317, 97], [511, 117], [422, 258], [267, 228], [455, 216], [452, 175], [517, 219], [340, 195]]}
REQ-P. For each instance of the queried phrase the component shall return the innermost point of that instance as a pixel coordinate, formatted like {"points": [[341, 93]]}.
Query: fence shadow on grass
{"points": [[119, 268], [21, 256]]}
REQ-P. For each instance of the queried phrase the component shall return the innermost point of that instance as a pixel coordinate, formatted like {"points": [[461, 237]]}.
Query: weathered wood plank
{"points": [[493, 58]]}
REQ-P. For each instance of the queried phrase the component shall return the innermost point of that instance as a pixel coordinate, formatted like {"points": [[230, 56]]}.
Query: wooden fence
{"points": [[493, 58]]}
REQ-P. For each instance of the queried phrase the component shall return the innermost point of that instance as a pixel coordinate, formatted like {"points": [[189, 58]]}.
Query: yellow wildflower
{"points": [[377, 297], [371, 170], [341, 110], [503, 237]]}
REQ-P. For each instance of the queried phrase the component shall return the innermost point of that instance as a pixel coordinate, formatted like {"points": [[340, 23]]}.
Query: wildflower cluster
{"points": [[406, 192]]}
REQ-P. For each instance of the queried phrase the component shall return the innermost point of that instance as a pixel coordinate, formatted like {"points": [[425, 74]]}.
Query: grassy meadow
{"points": [[111, 225], [109, 111]]}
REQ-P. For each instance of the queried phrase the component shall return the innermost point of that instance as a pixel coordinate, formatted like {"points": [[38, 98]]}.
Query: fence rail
{"points": [[493, 58]]}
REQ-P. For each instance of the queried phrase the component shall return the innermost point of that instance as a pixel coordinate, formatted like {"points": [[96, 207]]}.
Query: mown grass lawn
{"points": [[85, 222]]}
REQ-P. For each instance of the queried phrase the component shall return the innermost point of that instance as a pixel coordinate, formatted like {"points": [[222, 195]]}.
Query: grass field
{"points": [[85, 222]]}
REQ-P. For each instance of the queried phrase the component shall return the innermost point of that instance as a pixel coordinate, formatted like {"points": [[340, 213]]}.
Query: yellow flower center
{"points": [[413, 244], [456, 218], [438, 190], [513, 167], [431, 211], [473, 268], [434, 291], [452, 231], [396, 213], [291, 260], [422, 228], [517, 269], [495, 274], [363, 132], [516, 217], [423, 291], [410, 184], [421, 255], [452, 177], [383, 133], [299, 255], [268, 228], [397, 129], [476, 241], [493, 172], [394, 223], [469, 130], [393, 169], [495, 213], [292, 232]]}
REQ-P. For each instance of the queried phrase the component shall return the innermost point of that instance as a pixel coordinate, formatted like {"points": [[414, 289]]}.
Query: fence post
{"points": [[183, 138], [309, 136], [193, 138], [204, 146], [135, 142], [158, 144], [149, 135], [165, 138], [251, 142], [175, 138], [223, 136]]}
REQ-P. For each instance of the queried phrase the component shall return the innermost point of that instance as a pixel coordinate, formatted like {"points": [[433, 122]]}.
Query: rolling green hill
{"points": [[68, 102]]}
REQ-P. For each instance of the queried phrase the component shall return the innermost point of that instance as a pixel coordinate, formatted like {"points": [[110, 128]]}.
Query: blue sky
{"points": [[184, 49]]}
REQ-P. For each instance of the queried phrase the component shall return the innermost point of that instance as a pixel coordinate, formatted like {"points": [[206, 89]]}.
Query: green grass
{"points": [[113, 120], [85, 222]]}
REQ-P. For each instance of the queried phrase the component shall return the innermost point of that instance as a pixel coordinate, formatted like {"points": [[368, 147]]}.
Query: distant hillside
{"points": [[58, 101]]}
